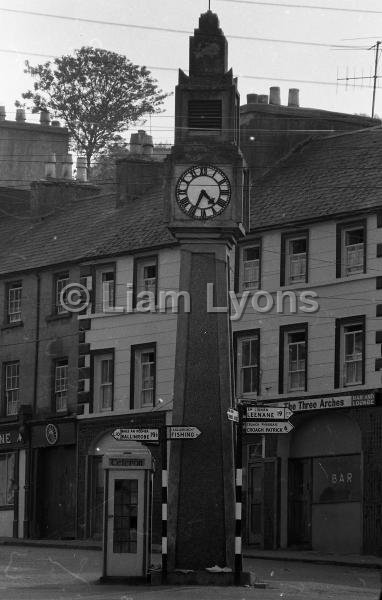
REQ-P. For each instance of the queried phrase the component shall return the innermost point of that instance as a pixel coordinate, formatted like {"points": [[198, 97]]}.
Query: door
{"points": [[300, 503], [56, 492], [127, 521], [96, 497]]}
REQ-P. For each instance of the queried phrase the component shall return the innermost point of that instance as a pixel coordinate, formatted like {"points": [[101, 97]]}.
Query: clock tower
{"points": [[207, 195]]}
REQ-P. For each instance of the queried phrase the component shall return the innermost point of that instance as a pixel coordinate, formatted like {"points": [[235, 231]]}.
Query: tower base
{"points": [[208, 578]]}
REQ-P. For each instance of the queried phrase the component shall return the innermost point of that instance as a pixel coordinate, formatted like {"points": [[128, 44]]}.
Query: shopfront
{"points": [[13, 453], [54, 479], [317, 486]]}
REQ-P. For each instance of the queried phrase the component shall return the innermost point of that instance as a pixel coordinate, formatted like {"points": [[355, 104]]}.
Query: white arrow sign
{"points": [[140, 435], [268, 412], [268, 427], [233, 415], [183, 433]]}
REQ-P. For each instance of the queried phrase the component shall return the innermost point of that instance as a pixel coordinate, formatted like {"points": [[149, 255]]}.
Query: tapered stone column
{"points": [[201, 515]]}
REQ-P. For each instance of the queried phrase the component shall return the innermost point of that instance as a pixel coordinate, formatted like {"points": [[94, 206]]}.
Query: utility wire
{"points": [[172, 30], [304, 6]]}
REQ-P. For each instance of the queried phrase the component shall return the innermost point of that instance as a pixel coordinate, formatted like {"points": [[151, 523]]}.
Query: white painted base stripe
{"points": [[164, 479], [239, 476], [164, 545], [237, 545], [86, 385], [164, 512], [238, 510]]}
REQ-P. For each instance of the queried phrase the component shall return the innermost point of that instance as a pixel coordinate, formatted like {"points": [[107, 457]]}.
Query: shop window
{"points": [[61, 282], [61, 385], [337, 479], [145, 276], [14, 292], [12, 387], [247, 362], [103, 383], [143, 375], [7, 479], [293, 358], [105, 288], [351, 249], [250, 267], [350, 352], [294, 259]]}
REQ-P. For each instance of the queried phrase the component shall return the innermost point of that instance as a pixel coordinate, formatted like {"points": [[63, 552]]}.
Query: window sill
{"points": [[66, 315], [12, 325], [8, 507], [9, 419]]}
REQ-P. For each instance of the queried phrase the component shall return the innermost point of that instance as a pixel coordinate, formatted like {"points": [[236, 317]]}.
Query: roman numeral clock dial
{"points": [[203, 192]]}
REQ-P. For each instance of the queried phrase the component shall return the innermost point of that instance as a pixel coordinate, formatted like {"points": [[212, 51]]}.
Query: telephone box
{"points": [[127, 514]]}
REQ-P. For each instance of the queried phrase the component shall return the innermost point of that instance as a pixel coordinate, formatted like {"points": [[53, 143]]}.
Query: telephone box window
{"points": [[125, 516]]}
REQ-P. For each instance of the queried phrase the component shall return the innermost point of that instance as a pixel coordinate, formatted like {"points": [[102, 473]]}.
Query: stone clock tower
{"points": [[207, 210]]}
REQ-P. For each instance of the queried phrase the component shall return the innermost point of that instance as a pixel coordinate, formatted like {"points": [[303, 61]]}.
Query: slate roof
{"points": [[89, 228], [321, 178]]}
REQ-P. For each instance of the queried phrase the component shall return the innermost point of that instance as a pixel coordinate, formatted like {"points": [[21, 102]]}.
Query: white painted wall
{"points": [[123, 330], [355, 295]]}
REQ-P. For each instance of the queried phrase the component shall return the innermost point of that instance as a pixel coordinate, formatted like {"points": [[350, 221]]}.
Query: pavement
{"points": [[36, 572]]}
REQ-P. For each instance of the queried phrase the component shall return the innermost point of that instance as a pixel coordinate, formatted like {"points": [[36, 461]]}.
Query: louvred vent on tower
{"points": [[204, 114]]}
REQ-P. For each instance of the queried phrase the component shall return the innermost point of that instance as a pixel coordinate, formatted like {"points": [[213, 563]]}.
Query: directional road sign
{"points": [[180, 432], [268, 427], [140, 435], [268, 412], [233, 415]]}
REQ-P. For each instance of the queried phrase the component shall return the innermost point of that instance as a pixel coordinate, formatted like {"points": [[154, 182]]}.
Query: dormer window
{"points": [[205, 115]]}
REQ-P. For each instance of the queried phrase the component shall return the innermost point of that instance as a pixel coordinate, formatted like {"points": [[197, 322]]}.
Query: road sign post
{"points": [[263, 427], [136, 434], [273, 413]]}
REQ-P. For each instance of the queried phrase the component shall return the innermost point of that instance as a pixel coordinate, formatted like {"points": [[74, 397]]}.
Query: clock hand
{"points": [[203, 194]]}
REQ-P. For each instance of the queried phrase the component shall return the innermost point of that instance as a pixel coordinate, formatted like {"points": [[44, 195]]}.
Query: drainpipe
{"points": [[30, 503]]}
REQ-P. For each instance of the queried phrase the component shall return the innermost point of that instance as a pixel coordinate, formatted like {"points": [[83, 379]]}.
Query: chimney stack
{"points": [[293, 97], [82, 170], [274, 96], [20, 115], [2, 113], [44, 117], [263, 99], [50, 167]]}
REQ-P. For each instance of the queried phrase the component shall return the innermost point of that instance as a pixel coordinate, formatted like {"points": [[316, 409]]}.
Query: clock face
{"points": [[203, 192]]}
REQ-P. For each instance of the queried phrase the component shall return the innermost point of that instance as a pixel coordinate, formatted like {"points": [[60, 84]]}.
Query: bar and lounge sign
{"points": [[350, 401]]}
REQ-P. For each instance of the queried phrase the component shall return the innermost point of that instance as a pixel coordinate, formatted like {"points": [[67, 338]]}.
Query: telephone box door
{"points": [[126, 522]]}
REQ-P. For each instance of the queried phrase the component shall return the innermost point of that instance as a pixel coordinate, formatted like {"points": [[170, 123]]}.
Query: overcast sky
{"points": [[249, 58]]}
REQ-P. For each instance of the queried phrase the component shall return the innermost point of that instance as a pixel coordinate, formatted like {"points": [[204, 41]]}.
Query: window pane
{"points": [[61, 386], [353, 354], [252, 253], [61, 283], [14, 303], [297, 246], [296, 360], [12, 387], [354, 236]]}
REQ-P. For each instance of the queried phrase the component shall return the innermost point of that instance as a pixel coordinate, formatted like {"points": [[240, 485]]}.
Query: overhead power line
{"points": [[305, 6], [173, 30], [258, 77]]}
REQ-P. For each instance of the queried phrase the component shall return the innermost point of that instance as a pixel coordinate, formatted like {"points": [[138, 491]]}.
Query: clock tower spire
{"points": [[207, 199]]}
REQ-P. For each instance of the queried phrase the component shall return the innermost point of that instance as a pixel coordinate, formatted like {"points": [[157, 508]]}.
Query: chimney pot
{"points": [[20, 115], [82, 169], [67, 167], [274, 96], [44, 117], [148, 146], [50, 167], [55, 123], [2, 113], [252, 98], [263, 99], [294, 97]]}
